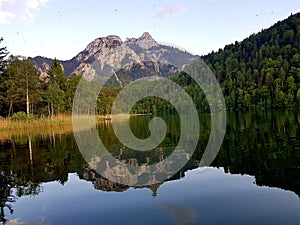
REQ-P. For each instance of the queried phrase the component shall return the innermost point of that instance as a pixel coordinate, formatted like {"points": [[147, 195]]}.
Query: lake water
{"points": [[255, 178]]}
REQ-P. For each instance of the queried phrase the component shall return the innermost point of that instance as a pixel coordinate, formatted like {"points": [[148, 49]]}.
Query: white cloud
{"points": [[169, 9], [20, 9]]}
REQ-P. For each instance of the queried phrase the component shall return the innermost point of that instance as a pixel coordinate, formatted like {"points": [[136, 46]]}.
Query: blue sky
{"points": [[62, 28]]}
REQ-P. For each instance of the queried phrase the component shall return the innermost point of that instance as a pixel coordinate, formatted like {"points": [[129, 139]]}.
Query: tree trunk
{"points": [[30, 154], [10, 111], [27, 100], [49, 111], [52, 110]]}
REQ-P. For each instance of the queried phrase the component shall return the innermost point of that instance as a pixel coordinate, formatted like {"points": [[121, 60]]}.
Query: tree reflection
{"points": [[265, 145], [6, 195]]}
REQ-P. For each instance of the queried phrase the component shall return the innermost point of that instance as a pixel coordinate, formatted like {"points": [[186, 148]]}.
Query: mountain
{"points": [[261, 71], [111, 52]]}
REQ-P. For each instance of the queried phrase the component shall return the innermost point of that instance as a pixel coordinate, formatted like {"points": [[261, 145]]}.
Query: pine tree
{"points": [[3, 77], [3, 54], [56, 88]]}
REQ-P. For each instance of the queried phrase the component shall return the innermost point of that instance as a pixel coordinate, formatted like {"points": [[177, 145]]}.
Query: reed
{"points": [[60, 124], [36, 123]]}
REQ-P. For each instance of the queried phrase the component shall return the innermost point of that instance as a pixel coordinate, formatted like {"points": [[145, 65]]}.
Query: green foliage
{"points": [[22, 84], [55, 97], [19, 116], [105, 100], [72, 83], [56, 75], [3, 54], [263, 70], [56, 88]]}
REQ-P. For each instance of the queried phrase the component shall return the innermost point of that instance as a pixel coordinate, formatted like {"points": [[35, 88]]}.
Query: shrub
{"points": [[19, 116]]}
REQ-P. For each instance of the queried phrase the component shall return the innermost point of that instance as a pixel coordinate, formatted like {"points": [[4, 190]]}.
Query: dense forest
{"points": [[261, 71]]}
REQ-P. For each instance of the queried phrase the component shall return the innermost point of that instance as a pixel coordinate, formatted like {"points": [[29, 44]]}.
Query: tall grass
{"points": [[59, 124], [55, 121]]}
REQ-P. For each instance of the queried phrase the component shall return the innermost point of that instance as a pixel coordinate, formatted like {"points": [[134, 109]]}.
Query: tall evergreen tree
{"points": [[3, 77], [56, 88], [3, 54], [56, 75]]}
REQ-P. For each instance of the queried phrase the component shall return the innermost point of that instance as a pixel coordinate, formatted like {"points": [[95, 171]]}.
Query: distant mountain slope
{"points": [[111, 51]]}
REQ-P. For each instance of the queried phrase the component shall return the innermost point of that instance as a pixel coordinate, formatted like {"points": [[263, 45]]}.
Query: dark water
{"points": [[255, 178]]}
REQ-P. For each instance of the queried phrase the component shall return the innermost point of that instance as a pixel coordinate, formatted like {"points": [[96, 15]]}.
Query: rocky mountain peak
{"points": [[146, 36], [112, 41], [146, 41]]}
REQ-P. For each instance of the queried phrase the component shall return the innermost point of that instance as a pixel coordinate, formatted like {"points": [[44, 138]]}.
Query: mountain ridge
{"points": [[111, 51]]}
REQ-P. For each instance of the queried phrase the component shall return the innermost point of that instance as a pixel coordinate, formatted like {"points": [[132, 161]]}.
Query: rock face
{"points": [[112, 55], [145, 41]]}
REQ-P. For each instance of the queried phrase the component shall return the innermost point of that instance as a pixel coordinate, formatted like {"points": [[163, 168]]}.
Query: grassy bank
{"points": [[40, 123], [60, 124], [44, 122]]}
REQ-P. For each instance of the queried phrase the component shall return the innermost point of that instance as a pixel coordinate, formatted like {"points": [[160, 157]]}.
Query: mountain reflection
{"points": [[265, 145]]}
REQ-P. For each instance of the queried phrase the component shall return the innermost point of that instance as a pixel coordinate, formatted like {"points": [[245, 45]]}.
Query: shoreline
{"points": [[48, 125]]}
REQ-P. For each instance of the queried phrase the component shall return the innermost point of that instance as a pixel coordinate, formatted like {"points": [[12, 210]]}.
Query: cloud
{"points": [[169, 9], [24, 9]]}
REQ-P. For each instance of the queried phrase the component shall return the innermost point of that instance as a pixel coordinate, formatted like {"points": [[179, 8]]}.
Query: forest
{"points": [[262, 71]]}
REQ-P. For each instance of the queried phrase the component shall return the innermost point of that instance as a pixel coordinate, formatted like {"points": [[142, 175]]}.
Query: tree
{"points": [[23, 84], [56, 75], [3, 54], [56, 88], [6, 195], [291, 89], [288, 36], [3, 77], [72, 83], [55, 97]]}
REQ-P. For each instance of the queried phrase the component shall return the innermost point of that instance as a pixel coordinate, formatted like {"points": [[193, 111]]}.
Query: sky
{"points": [[62, 28]]}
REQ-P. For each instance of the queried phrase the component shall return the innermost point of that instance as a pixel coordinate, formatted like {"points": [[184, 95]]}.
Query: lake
{"points": [[255, 178]]}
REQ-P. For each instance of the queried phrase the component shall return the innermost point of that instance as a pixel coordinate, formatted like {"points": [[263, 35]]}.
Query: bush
{"points": [[19, 116]]}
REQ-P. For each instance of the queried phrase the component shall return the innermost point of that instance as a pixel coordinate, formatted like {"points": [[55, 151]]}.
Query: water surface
{"points": [[254, 179]]}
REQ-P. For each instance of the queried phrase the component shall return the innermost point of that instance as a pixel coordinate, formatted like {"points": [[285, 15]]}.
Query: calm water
{"points": [[255, 178]]}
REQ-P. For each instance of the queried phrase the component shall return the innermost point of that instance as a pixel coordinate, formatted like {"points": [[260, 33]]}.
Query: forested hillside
{"points": [[263, 70]]}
